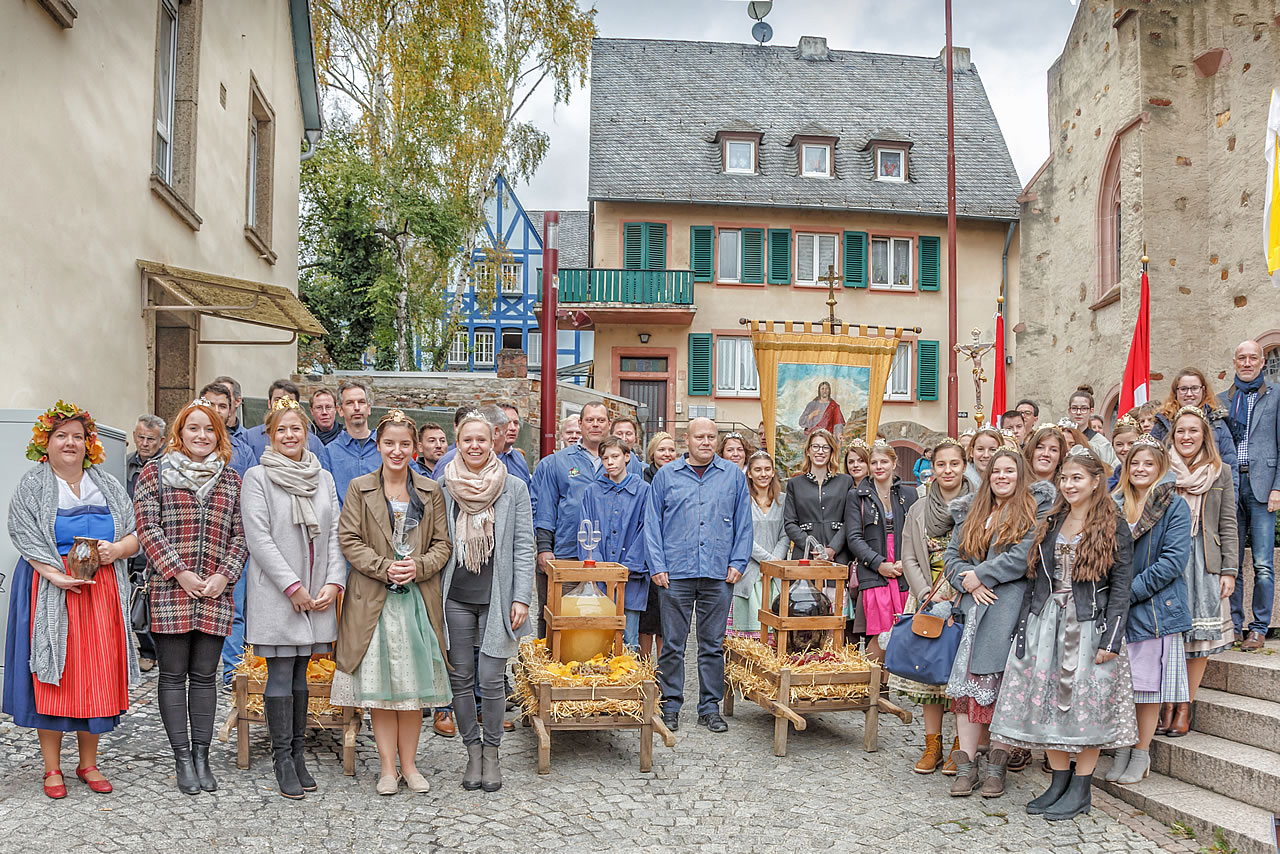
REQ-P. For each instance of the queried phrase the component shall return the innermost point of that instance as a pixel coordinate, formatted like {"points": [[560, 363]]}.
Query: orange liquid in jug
{"points": [[584, 644]]}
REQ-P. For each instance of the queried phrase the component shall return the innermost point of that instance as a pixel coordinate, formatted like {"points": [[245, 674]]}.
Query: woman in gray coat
{"points": [[487, 589], [295, 573], [987, 560]]}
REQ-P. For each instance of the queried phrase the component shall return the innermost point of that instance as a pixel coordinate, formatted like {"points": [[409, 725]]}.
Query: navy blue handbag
{"points": [[922, 647]]}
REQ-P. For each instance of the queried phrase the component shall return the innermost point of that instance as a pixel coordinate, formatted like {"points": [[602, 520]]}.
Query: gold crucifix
{"points": [[831, 279], [974, 353]]}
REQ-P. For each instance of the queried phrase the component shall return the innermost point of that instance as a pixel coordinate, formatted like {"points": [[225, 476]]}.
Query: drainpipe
{"points": [[312, 140]]}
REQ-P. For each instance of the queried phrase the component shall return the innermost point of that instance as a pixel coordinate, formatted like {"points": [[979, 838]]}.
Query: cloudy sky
{"points": [[1013, 44]]}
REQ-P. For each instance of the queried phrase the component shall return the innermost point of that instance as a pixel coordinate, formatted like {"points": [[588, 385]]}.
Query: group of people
{"points": [[1093, 576]]}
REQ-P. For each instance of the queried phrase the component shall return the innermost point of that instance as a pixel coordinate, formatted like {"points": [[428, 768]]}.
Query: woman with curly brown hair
{"points": [[1066, 684]]}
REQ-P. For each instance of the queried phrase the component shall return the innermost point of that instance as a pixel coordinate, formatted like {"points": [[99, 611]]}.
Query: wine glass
{"points": [[401, 545]]}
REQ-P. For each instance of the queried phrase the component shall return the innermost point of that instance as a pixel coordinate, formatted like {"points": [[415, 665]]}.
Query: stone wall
{"points": [[1180, 93]]}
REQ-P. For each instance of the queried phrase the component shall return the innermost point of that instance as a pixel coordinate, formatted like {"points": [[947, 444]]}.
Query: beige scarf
{"points": [[475, 494], [1192, 486], [179, 471], [301, 480]]}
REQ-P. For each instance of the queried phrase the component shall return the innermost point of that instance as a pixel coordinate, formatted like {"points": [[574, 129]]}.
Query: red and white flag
{"points": [[998, 392], [1135, 390]]}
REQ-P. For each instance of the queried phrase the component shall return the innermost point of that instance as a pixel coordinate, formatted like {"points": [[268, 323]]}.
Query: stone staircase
{"points": [[1225, 773]]}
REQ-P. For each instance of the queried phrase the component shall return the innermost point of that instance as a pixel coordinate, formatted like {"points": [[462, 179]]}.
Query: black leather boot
{"points": [[299, 744], [1057, 787], [280, 726], [200, 759], [173, 713], [1078, 799]]}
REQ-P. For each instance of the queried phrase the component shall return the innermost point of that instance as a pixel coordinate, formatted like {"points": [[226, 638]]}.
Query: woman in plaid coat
{"points": [[188, 508]]}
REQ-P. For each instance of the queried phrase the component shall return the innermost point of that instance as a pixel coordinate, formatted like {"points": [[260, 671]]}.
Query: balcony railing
{"points": [[626, 287]]}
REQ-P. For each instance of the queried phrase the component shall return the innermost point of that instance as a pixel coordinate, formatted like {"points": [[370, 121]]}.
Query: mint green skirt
{"points": [[403, 668]]}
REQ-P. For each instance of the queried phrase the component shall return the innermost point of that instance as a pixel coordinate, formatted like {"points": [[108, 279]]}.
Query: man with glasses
{"points": [[1030, 414], [1254, 413]]}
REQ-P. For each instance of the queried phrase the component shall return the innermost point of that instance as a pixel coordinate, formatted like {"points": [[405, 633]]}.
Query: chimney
{"points": [[812, 48], [960, 61]]}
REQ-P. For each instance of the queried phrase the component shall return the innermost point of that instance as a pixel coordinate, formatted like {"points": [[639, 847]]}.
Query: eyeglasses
{"points": [[1077, 408], [817, 447], [1189, 389]]}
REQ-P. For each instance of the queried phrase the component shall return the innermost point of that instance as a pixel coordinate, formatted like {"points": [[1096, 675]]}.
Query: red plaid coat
{"points": [[177, 532]]}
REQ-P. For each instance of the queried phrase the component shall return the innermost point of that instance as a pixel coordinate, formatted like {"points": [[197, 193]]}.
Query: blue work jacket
{"points": [[558, 484], [698, 527], [617, 509], [350, 458]]}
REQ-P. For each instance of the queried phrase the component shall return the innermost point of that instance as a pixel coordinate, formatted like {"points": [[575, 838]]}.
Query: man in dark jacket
{"points": [[1254, 413], [148, 443]]}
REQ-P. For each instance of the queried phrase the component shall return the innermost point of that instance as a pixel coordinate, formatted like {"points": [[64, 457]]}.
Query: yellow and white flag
{"points": [[1271, 213]]}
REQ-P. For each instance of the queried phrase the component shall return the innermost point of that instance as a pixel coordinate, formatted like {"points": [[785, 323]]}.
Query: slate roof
{"points": [[575, 236], [657, 105]]}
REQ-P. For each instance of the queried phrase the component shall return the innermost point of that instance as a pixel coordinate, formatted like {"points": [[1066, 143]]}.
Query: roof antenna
{"points": [[757, 9]]}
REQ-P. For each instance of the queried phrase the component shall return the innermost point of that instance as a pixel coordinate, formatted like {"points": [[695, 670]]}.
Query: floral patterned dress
{"points": [[1056, 697]]}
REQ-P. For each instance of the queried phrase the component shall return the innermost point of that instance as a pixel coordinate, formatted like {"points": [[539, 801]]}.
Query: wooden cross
{"points": [[974, 353], [830, 279]]}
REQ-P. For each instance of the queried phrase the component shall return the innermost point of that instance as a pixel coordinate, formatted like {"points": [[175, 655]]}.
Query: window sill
{"points": [[729, 395], [885, 179], [260, 245], [61, 11], [161, 190], [1111, 296], [892, 289], [897, 401]]}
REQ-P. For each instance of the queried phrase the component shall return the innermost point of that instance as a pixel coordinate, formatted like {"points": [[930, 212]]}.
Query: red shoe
{"points": [[102, 787], [57, 792]]}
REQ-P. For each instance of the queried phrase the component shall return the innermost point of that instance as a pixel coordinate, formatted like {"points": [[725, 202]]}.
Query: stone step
{"points": [[1251, 674], [1235, 717], [1247, 773], [1245, 828]]}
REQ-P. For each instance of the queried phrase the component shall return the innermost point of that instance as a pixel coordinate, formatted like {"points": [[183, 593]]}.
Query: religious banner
{"points": [[820, 376]]}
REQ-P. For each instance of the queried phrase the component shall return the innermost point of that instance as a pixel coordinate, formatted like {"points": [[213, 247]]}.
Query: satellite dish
{"points": [[761, 32], [757, 9]]}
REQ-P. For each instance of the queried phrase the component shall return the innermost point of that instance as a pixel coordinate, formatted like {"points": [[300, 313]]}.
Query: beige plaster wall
{"points": [[78, 211], [719, 307], [1192, 189]]}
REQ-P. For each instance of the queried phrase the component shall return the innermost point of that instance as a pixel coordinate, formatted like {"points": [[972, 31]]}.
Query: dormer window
{"points": [[815, 160], [740, 156], [891, 164]]}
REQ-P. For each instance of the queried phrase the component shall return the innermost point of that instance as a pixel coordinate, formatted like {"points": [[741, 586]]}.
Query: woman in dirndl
{"points": [[69, 660], [925, 535]]}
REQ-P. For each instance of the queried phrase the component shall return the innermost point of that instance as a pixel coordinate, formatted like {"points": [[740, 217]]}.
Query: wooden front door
{"points": [[650, 393]]}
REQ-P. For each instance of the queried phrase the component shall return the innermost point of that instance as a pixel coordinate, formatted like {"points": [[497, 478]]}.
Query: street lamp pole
{"points": [[953, 396], [550, 277]]}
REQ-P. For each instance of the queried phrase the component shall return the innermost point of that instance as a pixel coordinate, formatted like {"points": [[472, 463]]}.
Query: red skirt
{"points": [[95, 677]]}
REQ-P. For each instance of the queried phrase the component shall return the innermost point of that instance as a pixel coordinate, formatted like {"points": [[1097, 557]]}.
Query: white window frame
{"points": [[751, 170], [484, 338], [168, 99], [826, 147], [902, 364], [721, 276], [815, 252], [533, 350], [901, 177], [458, 348], [510, 281], [893, 274], [735, 376]]}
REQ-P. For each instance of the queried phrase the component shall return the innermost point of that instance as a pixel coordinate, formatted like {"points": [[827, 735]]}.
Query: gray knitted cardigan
{"points": [[32, 514]]}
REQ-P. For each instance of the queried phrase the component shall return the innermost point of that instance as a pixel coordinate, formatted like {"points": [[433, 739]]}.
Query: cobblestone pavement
{"points": [[712, 793]]}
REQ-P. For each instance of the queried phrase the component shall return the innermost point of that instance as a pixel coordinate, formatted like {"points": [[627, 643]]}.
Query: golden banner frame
{"points": [[822, 343]]}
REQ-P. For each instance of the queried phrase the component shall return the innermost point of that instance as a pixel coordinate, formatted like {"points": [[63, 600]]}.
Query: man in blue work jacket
{"points": [[558, 484], [697, 529]]}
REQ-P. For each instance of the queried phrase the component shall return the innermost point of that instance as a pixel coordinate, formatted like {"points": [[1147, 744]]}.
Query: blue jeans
{"points": [[711, 598], [1258, 527], [631, 634], [233, 646]]}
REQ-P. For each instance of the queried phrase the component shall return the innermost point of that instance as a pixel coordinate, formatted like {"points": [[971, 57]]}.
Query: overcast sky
{"points": [[1013, 44]]}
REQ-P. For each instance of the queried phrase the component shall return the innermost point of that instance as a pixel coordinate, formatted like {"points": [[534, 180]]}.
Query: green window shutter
{"points": [[930, 263], [753, 256], [855, 259], [926, 370], [655, 252], [779, 256], [702, 243], [700, 345], [633, 245]]}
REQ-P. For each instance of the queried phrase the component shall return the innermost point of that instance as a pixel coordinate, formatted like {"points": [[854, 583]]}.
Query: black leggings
{"points": [[286, 676], [190, 659]]}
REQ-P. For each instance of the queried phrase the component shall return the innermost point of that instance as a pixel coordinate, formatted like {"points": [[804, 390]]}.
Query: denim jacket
{"points": [[1158, 601], [698, 527]]}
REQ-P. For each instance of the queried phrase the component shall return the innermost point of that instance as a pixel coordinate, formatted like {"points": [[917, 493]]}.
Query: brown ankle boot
{"points": [[966, 775], [932, 757], [1181, 722], [997, 764], [949, 767], [1166, 718]]}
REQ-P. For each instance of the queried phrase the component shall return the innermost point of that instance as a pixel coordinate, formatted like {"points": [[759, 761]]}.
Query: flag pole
{"points": [[953, 312]]}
